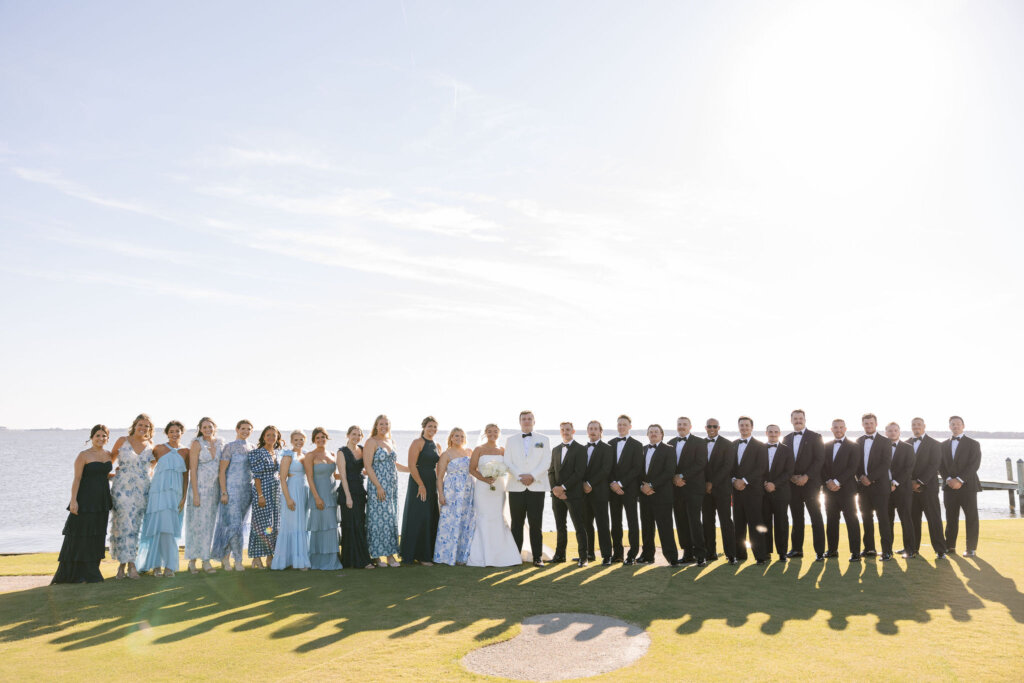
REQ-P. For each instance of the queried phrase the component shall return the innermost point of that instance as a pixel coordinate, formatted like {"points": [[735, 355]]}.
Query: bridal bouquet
{"points": [[494, 468]]}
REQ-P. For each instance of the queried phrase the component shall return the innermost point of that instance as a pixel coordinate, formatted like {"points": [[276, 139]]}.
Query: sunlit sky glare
{"points": [[311, 214]]}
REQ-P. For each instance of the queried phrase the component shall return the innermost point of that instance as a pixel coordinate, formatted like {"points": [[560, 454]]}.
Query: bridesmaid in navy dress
{"points": [[86, 527], [355, 552], [266, 489], [419, 521]]}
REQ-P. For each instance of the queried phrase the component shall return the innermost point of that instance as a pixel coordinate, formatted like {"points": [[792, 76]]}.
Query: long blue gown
{"points": [[458, 520], [292, 540], [323, 524], [382, 515], [233, 516], [161, 525]]}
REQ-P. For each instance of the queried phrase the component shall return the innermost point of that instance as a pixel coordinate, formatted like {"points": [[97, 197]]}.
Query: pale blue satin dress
{"points": [[292, 540]]}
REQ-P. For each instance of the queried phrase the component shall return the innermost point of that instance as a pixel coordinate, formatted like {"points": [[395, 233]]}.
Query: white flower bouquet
{"points": [[493, 468]]}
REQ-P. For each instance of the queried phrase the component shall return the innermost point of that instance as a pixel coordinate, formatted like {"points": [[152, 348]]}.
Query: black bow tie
{"points": [[592, 444], [711, 440], [869, 436], [743, 440], [773, 445], [800, 433], [651, 446], [957, 438], [566, 445], [916, 438], [527, 435], [683, 439]]}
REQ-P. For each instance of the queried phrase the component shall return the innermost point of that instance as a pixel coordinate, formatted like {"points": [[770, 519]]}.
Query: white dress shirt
{"points": [[773, 448], [797, 438], [711, 445], [868, 443], [835, 449], [894, 443]]}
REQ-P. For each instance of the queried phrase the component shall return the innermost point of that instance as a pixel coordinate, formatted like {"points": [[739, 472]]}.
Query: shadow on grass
{"points": [[491, 602]]}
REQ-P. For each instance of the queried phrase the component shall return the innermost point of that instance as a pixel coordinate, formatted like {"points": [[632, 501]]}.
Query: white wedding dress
{"points": [[492, 544]]}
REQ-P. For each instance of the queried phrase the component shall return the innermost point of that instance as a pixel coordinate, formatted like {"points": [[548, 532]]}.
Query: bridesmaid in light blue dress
{"points": [[161, 526], [204, 471], [235, 480], [455, 494], [133, 456], [323, 504], [292, 540], [379, 460]]}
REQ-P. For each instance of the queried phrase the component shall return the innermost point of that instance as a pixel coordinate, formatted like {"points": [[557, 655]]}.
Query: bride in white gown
{"points": [[492, 544]]}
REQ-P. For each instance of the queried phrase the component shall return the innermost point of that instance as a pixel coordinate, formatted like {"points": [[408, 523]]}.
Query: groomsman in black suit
{"points": [[718, 492], [777, 492], [656, 497], [926, 488], [624, 488], [595, 493], [568, 467], [840, 474], [901, 496], [958, 465], [691, 459], [748, 492], [809, 454], [874, 486]]}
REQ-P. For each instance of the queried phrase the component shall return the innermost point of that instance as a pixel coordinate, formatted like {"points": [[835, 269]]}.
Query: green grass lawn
{"points": [[899, 620]]}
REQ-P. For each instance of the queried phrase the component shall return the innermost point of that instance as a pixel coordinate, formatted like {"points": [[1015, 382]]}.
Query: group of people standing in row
{"points": [[455, 506]]}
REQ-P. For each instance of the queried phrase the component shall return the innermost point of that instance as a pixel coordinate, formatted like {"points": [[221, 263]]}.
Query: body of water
{"points": [[39, 466]]}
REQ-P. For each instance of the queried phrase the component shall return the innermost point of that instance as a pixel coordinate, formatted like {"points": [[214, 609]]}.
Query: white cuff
{"points": [[960, 480]]}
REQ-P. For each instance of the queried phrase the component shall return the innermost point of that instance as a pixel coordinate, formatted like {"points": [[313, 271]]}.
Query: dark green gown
{"points": [[419, 521]]}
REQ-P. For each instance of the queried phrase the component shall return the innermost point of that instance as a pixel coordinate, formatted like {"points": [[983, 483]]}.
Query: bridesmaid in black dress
{"points": [[355, 549], [419, 521], [86, 528]]}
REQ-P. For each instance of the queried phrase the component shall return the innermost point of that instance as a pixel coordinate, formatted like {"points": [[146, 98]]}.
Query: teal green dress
{"points": [[323, 524], [419, 520]]}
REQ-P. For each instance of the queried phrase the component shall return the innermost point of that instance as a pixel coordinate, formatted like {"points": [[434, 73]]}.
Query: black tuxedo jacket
{"points": [[629, 467], [902, 466], [693, 461], [810, 458], [926, 463], [598, 470], [721, 464], [844, 468], [966, 464], [659, 474], [781, 470], [879, 458], [753, 465], [568, 471]]}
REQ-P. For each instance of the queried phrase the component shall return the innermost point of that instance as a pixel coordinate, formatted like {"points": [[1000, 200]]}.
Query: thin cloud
{"points": [[77, 191]]}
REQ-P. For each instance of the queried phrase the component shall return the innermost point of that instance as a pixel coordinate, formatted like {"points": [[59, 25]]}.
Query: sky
{"points": [[311, 214]]}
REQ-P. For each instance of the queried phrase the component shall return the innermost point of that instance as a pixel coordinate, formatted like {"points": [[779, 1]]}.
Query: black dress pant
{"points": [[722, 505], [527, 506], [573, 507], [746, 509], [874, 500], [809, 497], [656, 514], [955, 501], [926, 501], [775, 512], [617, 505], [842, 501], [595, 511], [686, 511], [901, 501]]}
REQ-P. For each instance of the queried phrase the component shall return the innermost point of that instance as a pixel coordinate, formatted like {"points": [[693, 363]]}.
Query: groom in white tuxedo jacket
{"points": [[527, 456]]}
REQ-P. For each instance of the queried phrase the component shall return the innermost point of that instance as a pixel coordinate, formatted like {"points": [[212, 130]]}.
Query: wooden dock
{"points": [[1009, 485]]}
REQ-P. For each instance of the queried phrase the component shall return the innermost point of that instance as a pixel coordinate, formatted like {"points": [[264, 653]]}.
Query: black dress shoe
{"points": [[886, 557], [819, 558], [538, 563], [617, 558], [908, 556], [782, 558], [760, 562], [940, 556], [591, 558], [733, 561], [794, 553], [702, 563], [741, 560], [901, 551], [712, 557], [688, 559], [970, 553], [606, 562], [868, 553], [855, 557], [627, 562], [581, 563], [832, 553], [557, 559], [644, 560], [676, 563]]}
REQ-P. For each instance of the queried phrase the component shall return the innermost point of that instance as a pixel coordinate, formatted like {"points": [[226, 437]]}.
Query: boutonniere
{"points": [[538, 445]]}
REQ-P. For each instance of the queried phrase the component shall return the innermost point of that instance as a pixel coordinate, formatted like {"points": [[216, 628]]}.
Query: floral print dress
{"points": [[130, 493]]}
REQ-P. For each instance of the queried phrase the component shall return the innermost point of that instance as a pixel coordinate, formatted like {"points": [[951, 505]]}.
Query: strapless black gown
{"points": [[85, 533]]}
